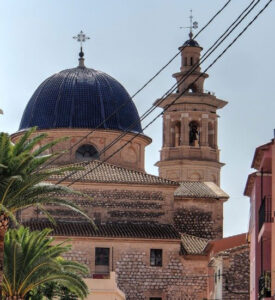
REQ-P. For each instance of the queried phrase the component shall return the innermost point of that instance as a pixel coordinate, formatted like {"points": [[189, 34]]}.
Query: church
{"points": [[159, 237]]}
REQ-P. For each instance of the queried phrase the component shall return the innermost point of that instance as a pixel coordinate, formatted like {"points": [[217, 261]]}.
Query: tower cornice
{"points": [[192, 98]]}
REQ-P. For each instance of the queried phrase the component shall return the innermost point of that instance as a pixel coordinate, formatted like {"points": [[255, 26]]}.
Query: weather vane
{"points": [[193, 25]]}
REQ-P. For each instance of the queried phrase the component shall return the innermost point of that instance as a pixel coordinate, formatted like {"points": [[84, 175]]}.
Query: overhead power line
{"points": [[215, 45], [175, 86], [173, 102], [138, 91]]}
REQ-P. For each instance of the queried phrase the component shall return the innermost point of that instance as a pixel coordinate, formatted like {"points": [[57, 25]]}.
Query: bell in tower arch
{"points": [[194, 134]]}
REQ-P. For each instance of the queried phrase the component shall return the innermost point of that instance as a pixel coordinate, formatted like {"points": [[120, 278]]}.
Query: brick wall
{"points": [[132, 156]]}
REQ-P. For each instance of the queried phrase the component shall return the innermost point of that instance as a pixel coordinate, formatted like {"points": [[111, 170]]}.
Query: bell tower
{"points": [[190, 126]]}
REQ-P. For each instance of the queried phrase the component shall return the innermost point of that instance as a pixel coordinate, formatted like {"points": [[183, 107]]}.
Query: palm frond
{"points": [[32, 260]]}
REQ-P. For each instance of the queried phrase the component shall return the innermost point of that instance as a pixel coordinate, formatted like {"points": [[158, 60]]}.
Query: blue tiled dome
{"points": [[191, 43], [80, 98]]}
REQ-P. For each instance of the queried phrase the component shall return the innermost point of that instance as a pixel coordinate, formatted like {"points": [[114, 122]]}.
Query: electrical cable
{"points": [[174, 87], [173, 102], [138, 91], [183, 91]]}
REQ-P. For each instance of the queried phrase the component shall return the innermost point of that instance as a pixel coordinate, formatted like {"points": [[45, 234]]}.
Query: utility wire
{"points": [[175, 86], [138, 91], [194, 67], [173, 102], [208, 23]]}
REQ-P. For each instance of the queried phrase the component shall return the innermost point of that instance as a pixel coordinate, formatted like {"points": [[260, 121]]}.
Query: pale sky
{"points": [[131, 41]]}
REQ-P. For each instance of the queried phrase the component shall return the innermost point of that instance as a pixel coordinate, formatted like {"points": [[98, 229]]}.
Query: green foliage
{"points": [[33, 266], [22, 180], [51, 290]]}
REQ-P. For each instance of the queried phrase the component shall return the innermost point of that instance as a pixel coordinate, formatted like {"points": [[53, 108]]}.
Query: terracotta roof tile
{"points": [[196, 189], [106, 172], [193, 245], [231, 250], [114, 230]]}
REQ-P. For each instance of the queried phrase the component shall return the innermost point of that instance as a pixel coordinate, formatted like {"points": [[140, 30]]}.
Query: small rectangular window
{"points": [[102, 257], [155, 298], [156, 257]]}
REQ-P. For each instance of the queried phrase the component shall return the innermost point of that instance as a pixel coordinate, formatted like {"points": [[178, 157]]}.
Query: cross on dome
{"points": [[81, 37]]}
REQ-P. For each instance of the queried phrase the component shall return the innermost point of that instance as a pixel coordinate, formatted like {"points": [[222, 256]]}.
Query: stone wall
{"points": [[144, 204], [173, 281], [177, 278], [194, 222], [199, 217], [81, 256], [236, 273]]}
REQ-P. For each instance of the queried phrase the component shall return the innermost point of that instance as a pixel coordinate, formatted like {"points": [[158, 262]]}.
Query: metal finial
{"points": [[193, 25], [81, 37]]}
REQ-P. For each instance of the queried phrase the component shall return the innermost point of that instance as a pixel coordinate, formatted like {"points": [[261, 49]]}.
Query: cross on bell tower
{"points": [[193, 25], [190, 126]]}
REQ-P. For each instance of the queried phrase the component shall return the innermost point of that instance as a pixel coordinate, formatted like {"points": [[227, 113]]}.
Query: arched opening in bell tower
{"points": [[192, 88], [176, 129], [194, 134]]}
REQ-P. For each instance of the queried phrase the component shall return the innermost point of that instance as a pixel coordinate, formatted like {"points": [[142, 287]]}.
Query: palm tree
{"points": [[22, 180], [31, 260]]}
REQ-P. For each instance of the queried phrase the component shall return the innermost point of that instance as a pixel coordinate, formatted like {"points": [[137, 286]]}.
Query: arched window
{"points": [[194, 134], [86, 153], [210, 135], [191, 61]]}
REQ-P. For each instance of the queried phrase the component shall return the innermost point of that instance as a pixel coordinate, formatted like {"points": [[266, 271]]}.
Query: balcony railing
{"points": [[265, 211], [265, 285]]}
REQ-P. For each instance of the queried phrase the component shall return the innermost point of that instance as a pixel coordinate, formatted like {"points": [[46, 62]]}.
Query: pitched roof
{"points": [[193, 245], [114, 230], [105, 172], [226, 253], [228, 242], [196, 189]]}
